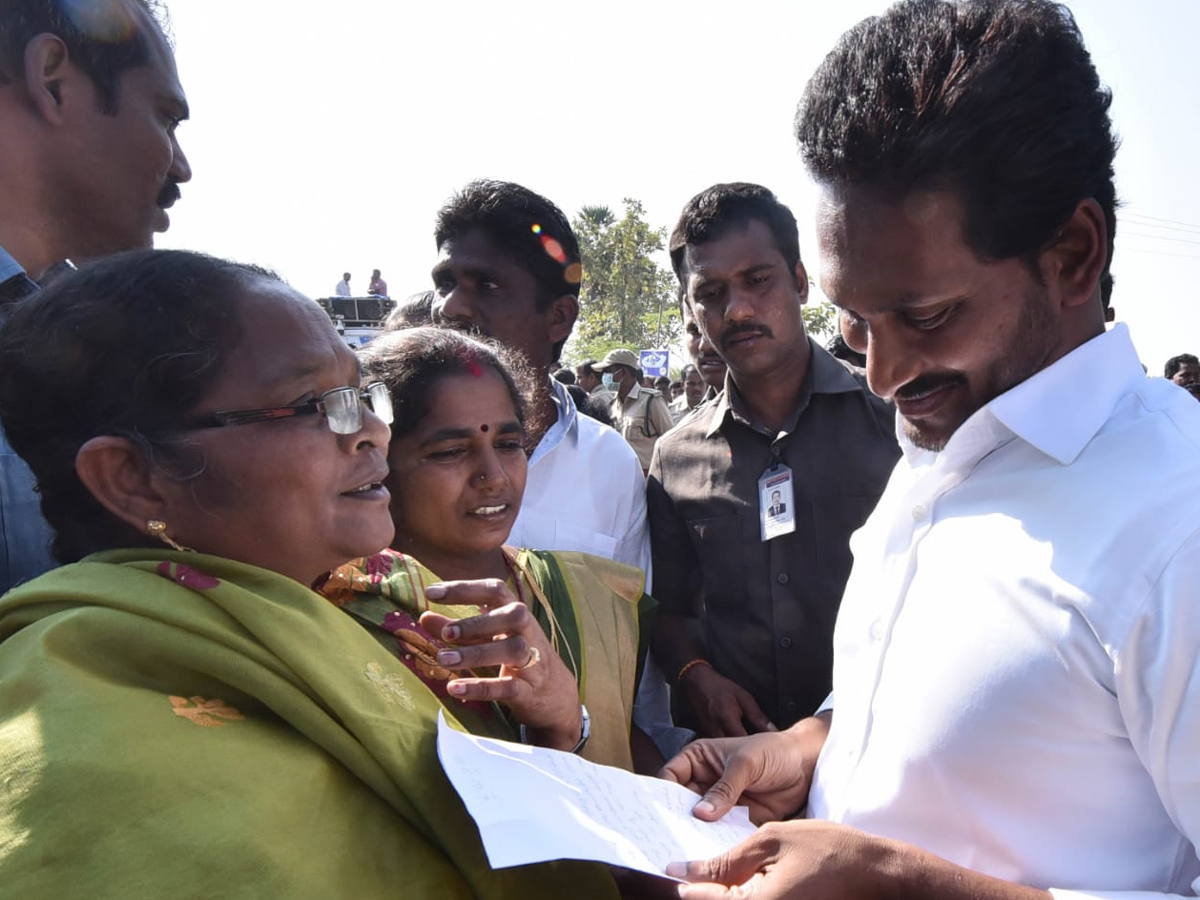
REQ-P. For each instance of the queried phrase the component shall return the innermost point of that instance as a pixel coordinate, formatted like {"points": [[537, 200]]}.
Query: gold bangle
{"points": [[699, 661]]}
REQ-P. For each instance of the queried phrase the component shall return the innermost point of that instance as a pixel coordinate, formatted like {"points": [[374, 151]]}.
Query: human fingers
{"points": [[727, 712], [510, 619], [699, 763], [718, 703], [748, 891], [504, 689], [751, 712], [741, 771], [513, 651], [548, 705], [735, 867], [482, 592]]}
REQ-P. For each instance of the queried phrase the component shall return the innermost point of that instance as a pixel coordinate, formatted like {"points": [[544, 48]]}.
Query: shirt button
{"points": [[782, 578], [790, 706], [785, 643], [877, 630], [920, 512]]}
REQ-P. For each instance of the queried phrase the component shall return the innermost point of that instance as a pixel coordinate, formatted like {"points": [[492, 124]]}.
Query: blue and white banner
{"points": [[655, 362]]}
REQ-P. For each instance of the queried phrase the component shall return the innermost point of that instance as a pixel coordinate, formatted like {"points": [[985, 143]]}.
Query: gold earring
{"points": [[158, 529]]}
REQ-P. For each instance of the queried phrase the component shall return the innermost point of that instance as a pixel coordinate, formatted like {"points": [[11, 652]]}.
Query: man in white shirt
{"points": [[343, 286], [509, 267], [1016, 691], [693, 393], [495, 276]]}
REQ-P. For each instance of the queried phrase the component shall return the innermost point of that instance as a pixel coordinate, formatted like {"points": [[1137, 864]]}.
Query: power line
{"points": [[1160, 253], [1158, 237], [1186, 225], [1140, 224]]}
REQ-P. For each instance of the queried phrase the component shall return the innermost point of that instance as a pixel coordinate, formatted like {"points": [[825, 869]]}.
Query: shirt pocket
{"points": [[719, 543], [636, 428], [569, 536]]}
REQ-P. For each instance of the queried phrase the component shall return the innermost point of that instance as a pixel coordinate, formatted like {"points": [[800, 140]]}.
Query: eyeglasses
{"points": [[342, 408]]}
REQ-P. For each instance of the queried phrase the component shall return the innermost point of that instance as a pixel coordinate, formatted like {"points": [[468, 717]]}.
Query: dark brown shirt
{"points": [[764, 612]]}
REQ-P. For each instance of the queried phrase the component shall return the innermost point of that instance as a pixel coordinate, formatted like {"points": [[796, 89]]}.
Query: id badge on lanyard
{"points": [[776, 510]]}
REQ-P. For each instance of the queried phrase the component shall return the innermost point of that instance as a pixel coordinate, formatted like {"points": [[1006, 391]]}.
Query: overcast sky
{"points": [[325, 137]]}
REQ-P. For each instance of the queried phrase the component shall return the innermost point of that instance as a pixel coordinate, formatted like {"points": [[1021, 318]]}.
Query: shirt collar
{"points": [[9, 266], [564, 426], [1057, 410], [826, 375]]}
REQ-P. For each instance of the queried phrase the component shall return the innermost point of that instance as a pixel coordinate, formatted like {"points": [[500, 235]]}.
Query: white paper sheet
{"points": [[532, 805]]}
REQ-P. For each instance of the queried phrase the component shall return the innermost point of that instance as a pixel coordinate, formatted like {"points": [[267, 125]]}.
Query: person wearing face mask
{"points": [[641, 413], [588, 379]]}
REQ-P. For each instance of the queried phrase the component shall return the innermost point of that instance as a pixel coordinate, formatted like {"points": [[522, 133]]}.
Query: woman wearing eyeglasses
{"points": [[200, 722], [458, 470]]}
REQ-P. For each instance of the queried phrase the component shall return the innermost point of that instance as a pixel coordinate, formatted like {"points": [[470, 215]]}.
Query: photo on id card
{"points": [[775, 513]]}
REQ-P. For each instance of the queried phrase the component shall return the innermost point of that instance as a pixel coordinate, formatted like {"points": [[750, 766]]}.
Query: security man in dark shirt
{"points": [[752, 499]]}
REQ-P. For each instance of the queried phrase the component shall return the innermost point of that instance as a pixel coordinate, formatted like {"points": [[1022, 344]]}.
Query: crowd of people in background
{"points": [[924, 599]]}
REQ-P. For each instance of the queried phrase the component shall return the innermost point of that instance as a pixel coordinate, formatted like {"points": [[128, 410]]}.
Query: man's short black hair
{"points": [[717, 210], [104, 37], [994, 100], [1175, 363], [531, 231]]}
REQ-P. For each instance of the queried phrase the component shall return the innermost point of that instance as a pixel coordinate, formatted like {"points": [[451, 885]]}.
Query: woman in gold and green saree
{"points": [[458, 469], [202, 723]]}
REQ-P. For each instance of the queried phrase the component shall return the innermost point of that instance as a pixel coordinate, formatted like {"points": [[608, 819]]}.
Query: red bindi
{"points": [[483, 428]]}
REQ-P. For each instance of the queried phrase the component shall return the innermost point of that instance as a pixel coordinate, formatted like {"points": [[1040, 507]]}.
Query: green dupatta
{"points": [[181, 725], [595, 606]]}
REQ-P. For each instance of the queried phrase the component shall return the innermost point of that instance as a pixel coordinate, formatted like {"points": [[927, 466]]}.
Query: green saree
{"points": [[594, 609], [178, 725]]}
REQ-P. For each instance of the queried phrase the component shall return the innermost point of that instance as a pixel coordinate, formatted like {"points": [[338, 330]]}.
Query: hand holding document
{"points": [[533, 805]]}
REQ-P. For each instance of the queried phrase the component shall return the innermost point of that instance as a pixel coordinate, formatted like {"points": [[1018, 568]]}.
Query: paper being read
{"points": [[532, 805]]}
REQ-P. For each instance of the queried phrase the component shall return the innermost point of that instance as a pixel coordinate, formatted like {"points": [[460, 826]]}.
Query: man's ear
{"points": [[1071, 268], [117, 473], [802, 282], [49, 77], [563, 311]]}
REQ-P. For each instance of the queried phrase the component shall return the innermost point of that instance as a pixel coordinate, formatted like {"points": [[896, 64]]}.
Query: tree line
{"points": [[628, 298]]}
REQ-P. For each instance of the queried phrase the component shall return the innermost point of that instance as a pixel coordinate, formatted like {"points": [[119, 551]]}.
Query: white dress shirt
{"points": [[1016, 677], [585, 491]]}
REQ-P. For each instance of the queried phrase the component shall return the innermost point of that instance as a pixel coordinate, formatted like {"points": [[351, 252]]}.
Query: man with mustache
{"points": [[748, 600], [692, 395], [1183, 369], [1016, 702], [89, 164], [708, 361]]}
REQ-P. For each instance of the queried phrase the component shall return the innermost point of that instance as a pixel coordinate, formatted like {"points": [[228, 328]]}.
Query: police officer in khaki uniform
{"points": [[639, 413]]}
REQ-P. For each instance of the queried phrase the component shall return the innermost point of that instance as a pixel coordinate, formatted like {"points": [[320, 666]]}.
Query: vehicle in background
{"points": [[358, 319]]}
